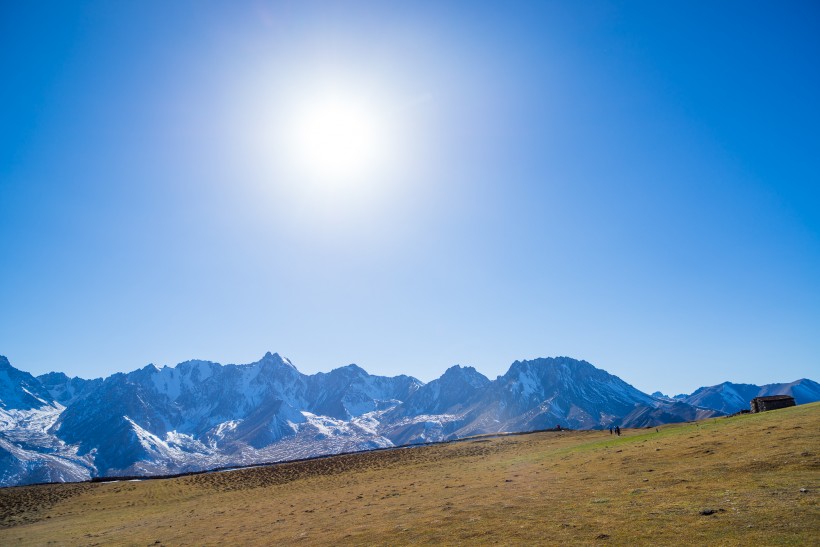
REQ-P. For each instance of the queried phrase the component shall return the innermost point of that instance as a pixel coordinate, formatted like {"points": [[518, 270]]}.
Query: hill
{"points": [[750, 479], [202, 415]]}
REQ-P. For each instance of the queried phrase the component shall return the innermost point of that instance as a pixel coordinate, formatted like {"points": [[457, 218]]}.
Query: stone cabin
{"points": [[762, 404]]}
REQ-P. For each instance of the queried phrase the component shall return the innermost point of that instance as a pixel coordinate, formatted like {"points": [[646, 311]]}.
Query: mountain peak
{"points": [[552, 365], [275, 358], [354, 368], [202, 414], [468, 374], [20, 390], [552, 361], [53, 377]]}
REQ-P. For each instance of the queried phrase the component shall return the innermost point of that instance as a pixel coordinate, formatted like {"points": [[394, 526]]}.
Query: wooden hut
{"points": [[762, 404]]}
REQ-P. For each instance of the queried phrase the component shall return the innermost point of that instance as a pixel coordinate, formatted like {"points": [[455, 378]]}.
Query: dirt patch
{"points": [[276, 474], [25, 504]]}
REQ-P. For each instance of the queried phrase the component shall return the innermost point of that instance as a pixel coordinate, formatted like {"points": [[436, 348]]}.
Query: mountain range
{"points": [[202, 415]]}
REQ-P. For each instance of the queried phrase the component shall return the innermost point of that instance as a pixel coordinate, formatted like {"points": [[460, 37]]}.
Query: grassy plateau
{"points": [[750, 479]]}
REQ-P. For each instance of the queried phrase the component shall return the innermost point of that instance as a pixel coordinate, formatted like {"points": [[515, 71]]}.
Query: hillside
{"points": [[749, 479], [202, 415]]}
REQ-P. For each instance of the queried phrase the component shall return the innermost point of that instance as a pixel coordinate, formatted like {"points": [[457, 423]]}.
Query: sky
{"points": [[636, 184]]}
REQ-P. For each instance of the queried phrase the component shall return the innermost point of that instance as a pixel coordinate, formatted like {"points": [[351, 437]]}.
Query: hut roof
{"points": [[773, 398]]}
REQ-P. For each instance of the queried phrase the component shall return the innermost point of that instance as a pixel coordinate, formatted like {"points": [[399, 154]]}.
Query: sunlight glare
{"points": [[336, 138]]}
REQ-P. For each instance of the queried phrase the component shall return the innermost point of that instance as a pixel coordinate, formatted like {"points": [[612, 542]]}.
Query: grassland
{"points": [[750, 479]]}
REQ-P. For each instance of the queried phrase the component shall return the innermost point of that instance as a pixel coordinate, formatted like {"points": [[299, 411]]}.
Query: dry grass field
{"points": [[750, 479]]}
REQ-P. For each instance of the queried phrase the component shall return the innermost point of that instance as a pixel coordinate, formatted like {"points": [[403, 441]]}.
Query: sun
{"points": [[336, 138]]}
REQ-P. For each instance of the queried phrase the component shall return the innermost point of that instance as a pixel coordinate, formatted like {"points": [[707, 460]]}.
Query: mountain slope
{"points": [[200, 414], [730, 398], [538, 394], [20, 390], [550, 392], [547, 392], [67, 390], [350, 391], [557, 488]]}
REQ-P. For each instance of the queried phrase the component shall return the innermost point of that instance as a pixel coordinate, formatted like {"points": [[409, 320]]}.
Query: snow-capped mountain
{"points": [[28, 451], [350, 391], [448, 394], [67, 390], [539, 394], [20, 390], [730, 398], [200, 415], [547, 392], [436, 410]]}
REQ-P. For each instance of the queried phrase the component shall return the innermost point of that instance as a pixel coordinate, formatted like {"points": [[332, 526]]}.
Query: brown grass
{"points": [[758, 474]]}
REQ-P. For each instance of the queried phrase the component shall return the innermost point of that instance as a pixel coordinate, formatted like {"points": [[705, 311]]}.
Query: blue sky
{"points": [[634, 184]]}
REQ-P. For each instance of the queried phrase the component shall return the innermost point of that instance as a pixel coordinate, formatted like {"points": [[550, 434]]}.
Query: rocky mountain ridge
{"points": [[729, 397], [200, 414]]}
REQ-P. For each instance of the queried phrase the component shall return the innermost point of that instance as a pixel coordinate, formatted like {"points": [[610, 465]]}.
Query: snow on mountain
{"points": [[730, 398], [349, 391], [226, 415], [537, 394], [20, 390], [67, 390], [200, 415], [19, 465], [726, 397], [544, 393], [804, 390], [453, 390], [436, 410], [214, 405]]}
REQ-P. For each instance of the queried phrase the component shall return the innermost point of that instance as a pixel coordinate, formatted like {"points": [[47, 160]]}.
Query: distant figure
{"points": [[558, 427], [618, 430], [610, 430]]}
